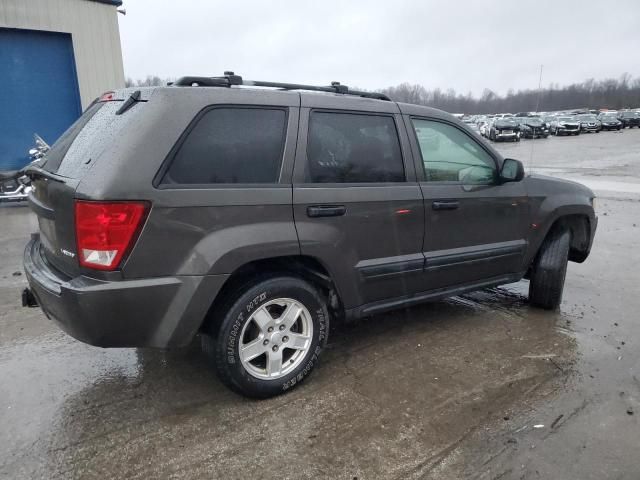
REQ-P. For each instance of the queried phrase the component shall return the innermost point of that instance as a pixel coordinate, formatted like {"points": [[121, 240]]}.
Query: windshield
{"points": [[505, 122], [588, 118], [566, 119], [533, 121]]}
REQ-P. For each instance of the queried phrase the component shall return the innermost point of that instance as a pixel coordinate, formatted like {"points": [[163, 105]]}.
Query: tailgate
{"points": [[70, 160], [53, 203]]}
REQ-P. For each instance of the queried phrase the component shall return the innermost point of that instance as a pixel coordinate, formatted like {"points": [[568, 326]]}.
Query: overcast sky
{"points": [[465, 45]]}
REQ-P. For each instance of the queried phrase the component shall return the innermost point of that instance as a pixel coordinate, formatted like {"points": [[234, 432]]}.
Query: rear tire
{"points": [[253, 347], [549, 270]]}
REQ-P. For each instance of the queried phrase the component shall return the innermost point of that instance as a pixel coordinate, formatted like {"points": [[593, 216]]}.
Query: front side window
{"points": [[353, 148], [450, 155], [231, 145]]}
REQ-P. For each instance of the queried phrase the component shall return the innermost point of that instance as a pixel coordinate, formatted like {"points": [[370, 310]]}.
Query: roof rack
{"points": [[230, 79]]}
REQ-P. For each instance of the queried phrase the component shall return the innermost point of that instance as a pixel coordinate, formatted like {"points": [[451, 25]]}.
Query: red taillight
{"points": [[105, 231]]}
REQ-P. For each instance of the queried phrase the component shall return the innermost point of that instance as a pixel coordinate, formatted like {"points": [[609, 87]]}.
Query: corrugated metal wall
{"points": [[94, 31]]}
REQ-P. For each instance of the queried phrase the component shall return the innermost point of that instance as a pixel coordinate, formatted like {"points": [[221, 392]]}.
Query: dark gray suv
{"points": [[255, 215]]}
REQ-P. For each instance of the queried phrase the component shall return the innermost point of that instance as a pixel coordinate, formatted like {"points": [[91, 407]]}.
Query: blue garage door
{"points": [[38, 91]]}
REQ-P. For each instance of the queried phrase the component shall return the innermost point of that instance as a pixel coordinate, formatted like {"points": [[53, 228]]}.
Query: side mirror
{"points": [[512, 170]]}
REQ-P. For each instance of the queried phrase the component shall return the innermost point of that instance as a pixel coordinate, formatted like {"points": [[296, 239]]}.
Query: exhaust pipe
{"points": [[29, 299]]}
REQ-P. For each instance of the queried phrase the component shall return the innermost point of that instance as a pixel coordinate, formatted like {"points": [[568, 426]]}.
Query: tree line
{"points": [[611, 93]]}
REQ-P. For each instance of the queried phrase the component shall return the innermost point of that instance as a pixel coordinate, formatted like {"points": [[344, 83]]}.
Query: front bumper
{"points": [[569, 131], [505, 136], [158, 312], [535, 133]]}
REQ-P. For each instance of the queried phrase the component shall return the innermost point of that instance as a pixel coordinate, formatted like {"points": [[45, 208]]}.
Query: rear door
{"points": [[357, 206], [475, 226]]}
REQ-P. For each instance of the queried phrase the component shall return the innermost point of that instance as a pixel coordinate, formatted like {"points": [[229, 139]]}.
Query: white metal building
{"points": [[56, 57]]}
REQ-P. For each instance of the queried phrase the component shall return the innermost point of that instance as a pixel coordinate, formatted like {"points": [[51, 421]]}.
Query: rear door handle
{"points": [[445, 205], [326, 211]]}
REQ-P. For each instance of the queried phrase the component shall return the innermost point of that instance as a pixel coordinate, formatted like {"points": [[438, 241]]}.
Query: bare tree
{"points": [[149, 81], [623, 92]]}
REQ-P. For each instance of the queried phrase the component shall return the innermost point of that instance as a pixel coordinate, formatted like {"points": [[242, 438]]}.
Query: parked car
{"points": [[565, 125], [609, 121], [504, 129], [629, 119], [547, 119], [533, 127], [231, 212], [589, 123], [475, 128], [484, 127]]}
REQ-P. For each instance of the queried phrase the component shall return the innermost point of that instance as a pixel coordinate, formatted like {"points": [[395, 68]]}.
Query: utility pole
{"points": [[539, 89]]}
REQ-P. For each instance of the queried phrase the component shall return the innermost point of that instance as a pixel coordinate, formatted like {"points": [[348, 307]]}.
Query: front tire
{"points": [[270, 336], [549, 270]]}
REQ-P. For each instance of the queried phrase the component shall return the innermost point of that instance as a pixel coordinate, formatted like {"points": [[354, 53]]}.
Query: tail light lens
{"points": [[106, 231]]}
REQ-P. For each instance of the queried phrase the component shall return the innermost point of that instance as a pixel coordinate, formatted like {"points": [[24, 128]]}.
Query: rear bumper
{"points": [[153, 312]]}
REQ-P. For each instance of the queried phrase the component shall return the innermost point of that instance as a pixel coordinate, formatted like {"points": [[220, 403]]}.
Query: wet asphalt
{"points": [[480, 386]]}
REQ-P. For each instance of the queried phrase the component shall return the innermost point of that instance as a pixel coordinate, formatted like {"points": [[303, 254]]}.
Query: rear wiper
{"points": [[129, 102], [32, 171]]}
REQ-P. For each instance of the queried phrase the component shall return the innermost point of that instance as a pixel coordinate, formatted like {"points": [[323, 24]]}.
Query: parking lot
{"points": [[479, 386]]}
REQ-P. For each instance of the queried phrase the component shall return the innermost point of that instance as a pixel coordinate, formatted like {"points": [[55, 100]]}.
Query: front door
{"points": [[475, 226], [357, 206]]}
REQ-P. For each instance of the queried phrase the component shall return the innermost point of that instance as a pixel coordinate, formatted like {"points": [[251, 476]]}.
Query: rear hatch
{"points": [[56, 178]]}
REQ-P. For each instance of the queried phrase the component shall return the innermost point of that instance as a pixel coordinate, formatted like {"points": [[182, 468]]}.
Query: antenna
{"points": [[537, 107]]}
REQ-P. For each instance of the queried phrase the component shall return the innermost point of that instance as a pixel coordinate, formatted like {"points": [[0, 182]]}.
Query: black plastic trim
{"points": [[441, 261], [431, 295], [393, 268]]}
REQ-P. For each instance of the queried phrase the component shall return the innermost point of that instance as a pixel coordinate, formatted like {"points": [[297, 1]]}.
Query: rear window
{"points": [[231, 145], [60, 148], [81, 146]]}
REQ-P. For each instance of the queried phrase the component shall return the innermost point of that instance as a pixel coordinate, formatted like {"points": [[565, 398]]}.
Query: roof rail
{"points": [[230, 79]]}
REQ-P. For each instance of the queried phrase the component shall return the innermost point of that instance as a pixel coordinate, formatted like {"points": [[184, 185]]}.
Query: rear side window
{"points": [[231, 145], [353, 148]]}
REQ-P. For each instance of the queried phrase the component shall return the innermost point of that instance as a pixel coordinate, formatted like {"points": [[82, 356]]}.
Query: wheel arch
{"points": [[580, 226], [306, 267]]}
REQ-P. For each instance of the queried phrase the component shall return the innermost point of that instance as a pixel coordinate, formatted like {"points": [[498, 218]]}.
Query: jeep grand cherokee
{"points": [[252, 216]]}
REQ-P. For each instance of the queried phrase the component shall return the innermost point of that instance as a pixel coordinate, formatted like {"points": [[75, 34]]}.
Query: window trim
{"points": [[421, 172], [169, 159], [305, 156]]}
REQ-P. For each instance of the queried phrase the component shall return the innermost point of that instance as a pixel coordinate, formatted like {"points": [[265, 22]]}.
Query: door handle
{"points": [[326, 211], [445, 205]]}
